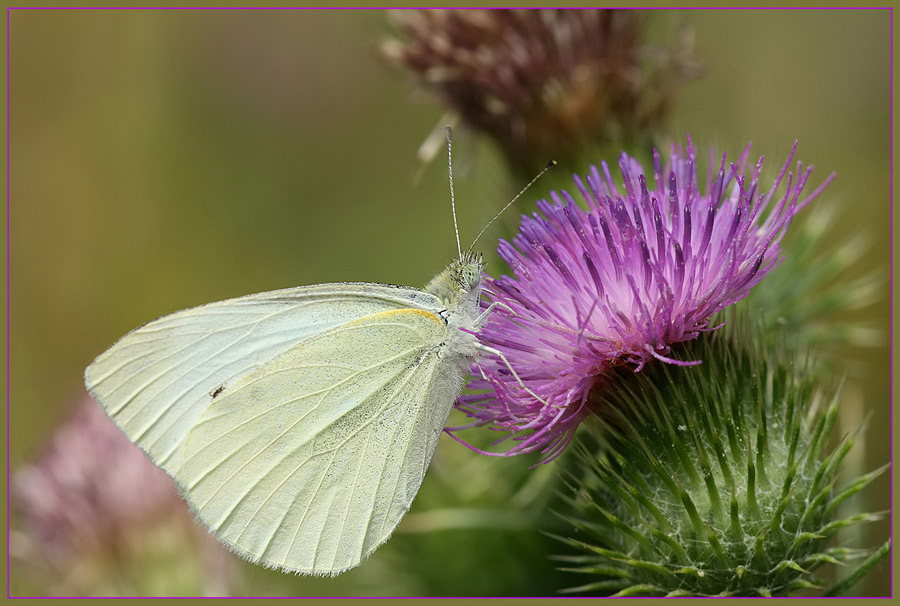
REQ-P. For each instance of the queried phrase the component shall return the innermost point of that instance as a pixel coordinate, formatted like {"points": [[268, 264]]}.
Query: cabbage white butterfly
{"points": [[298, 423]]}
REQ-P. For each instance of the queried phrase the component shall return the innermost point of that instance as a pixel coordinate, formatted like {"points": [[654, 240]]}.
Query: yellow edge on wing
{"points": [[399, 312]]}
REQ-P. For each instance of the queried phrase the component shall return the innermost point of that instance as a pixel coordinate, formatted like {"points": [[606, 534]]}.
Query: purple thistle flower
{"points": [[620, 283], [96, 516]]}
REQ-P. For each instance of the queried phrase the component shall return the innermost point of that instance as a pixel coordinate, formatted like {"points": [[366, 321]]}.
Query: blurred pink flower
{"points": [[91, 501]]}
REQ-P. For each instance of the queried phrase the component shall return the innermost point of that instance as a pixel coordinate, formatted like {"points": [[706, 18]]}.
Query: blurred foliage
{"points": [[824, 296], [164, 159]]}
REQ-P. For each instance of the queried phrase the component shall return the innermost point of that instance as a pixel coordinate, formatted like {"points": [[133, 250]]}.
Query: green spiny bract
{"points": [[709, 480]]}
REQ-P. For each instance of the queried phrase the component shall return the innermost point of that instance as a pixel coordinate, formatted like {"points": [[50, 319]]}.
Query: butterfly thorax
{"points": [[458, 288], [461, 280]]}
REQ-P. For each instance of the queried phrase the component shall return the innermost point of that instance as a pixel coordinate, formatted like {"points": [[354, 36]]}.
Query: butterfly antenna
{"points": [[452, 201], [550, 165]]}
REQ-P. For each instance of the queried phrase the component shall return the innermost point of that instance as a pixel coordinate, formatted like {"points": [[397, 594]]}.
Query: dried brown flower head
{"points": [[543, 83]]}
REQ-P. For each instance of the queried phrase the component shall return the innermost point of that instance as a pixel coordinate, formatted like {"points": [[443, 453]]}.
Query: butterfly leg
{"points": [[481, 370], [480, 320], [496, 352]]}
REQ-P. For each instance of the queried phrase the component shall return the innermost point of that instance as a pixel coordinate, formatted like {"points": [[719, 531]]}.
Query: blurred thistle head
{"points": [[620, 283], [544, 83], [97, 516], [717, 480]]}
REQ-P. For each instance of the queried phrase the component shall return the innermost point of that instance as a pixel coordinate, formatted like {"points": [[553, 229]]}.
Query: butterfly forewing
{"points": [[310, 462]]}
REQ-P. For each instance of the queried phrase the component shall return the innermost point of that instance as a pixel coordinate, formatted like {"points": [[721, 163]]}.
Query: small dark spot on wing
{"points": [[214, 393]]}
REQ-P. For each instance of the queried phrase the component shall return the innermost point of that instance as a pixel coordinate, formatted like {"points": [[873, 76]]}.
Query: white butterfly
{"points": [[298, 424]]}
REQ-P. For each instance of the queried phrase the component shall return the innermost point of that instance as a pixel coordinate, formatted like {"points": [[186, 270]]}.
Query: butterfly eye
{"points": [[468, 277], [472, 278]]}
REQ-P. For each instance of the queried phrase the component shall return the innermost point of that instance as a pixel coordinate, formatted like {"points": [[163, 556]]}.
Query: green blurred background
{"points": [[164, 159]]}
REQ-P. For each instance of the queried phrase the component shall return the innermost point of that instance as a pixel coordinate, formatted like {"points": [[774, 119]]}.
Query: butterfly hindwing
{"points": [[309, 462]]}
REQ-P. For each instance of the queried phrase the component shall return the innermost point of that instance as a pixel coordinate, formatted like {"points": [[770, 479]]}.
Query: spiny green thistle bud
{"points": [[710, 480]]}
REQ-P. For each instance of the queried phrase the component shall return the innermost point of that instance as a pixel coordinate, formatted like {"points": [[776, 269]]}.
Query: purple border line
{"points": [[358, 7], [8, 232], [892, 304], [8, 399]]}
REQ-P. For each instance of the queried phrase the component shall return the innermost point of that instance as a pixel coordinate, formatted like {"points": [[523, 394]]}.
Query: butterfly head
{"points": [[461, 279]]}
